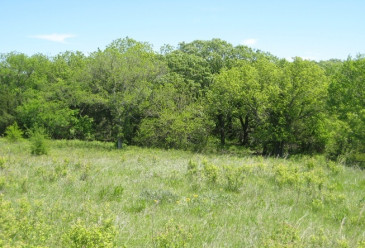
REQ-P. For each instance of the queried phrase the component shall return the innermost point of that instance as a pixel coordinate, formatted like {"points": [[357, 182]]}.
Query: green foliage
{"points": [[173, 236], [229, 177], [22, 224], [54, 116], [233, 177], [346, 104], [286, 236], [111, 193], [97, 235], [193, 168], [14, 133], [188, 96], [39, 141], [211, 172], [185, 130], [2, 163]]}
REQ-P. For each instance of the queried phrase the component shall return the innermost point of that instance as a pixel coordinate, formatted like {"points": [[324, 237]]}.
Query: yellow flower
{"points": [[187, 199], [156, 201], [178, 202], [195, 196]]}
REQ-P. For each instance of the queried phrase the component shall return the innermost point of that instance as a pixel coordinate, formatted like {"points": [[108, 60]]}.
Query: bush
{"points": [[82, 235], [13, 133], [38, 140], [233, 177]]}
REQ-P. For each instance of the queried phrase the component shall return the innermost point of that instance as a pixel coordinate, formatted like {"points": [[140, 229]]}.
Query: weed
{"points": [[159, 196], [319, 239], [285, 175], [136, 206], [285, 236], [2, 183], [211, 172], [173, 236], [85, 171], [343, 243], [111, 193], [361, 244], [2, 163], [98, 235], [334, 167], [192, 168], [233, 178]]}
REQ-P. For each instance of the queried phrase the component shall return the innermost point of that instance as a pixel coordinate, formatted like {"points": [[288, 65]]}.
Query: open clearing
{"points": [[88, 194]]}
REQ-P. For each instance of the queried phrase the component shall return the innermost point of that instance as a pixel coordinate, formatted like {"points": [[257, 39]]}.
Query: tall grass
{"points": [[86, 194]]}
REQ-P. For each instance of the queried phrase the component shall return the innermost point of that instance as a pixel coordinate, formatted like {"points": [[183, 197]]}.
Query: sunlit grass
{"points": [[87, 193]]}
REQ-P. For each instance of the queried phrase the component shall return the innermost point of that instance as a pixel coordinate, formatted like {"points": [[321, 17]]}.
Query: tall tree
{"points": [[347, 104], [121, 77]]}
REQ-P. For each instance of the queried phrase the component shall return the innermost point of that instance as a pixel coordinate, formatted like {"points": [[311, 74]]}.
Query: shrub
{"points": [[38, 140], [13, 133], [285, 235], [173, 235], [211, 172], [82, 235], [192, 168], [233, 177]]}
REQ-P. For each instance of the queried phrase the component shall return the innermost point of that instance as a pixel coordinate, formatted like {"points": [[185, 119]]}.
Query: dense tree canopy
{"points": [[201, 93]]}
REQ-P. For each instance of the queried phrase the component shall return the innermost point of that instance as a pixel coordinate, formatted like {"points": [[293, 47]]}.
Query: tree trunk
{"points": [[244, 125], [221, 129], [119, 143], [279, 148], [264, 150]]}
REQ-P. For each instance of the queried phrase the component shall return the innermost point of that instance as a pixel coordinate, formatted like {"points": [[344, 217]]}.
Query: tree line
{"points": [[189, 97]]}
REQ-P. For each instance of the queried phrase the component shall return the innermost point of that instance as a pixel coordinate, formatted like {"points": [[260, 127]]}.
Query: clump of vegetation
{"points": [[159, 196], [173, 235], [22, 224], [13, 133], [2, 162], [229, 177], [286, 236], [233, 178], [93, 236], [111, 193], [39, 141]]}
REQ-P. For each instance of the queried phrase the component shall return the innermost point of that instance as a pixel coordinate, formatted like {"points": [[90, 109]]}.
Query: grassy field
{"points": [[87, 194]]}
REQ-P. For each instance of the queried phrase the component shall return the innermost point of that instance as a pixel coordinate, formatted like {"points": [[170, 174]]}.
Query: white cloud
{"points": [[61, 38], [249, 42]]}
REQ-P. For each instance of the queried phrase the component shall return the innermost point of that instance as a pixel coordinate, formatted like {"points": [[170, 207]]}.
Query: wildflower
{"points": [[187, 199], [195, 196], [156, 201]]}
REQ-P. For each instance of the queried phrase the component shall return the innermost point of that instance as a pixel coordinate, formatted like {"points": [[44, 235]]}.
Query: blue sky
{"points": [[320, 29]]}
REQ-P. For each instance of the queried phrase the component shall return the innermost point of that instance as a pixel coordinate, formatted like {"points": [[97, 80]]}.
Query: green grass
{"points": [[87, 194]]}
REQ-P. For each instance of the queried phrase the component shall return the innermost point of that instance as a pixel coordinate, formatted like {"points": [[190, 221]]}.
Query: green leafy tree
{"points": [[121, 77], [347, 105], [294, 115]]}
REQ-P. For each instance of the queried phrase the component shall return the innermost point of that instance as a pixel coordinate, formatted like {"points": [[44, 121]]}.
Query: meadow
{"points": [[89, 194]]}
